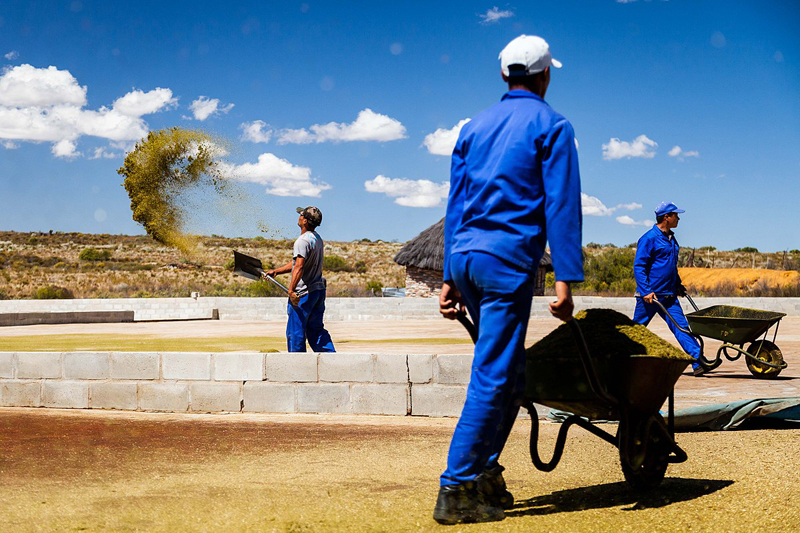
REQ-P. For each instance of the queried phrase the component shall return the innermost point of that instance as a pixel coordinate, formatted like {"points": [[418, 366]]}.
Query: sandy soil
{"points": [[90, 471]]}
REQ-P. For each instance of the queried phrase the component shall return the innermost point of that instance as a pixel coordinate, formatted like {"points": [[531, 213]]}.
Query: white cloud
{"points": [[256, 132], [410, 193], [678, 152], [48, 105], [442, 141], [9, 145], [102, 153], [594, 207], [27, 86], [625, 220], [495, 15], [137, 103], [368, 126], [281, 177], [204, 107], [641, 146], [12, 55], [65, 149]]}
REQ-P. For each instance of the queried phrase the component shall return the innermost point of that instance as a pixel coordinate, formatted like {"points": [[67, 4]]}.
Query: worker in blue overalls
{"points": [[656, 271], [514, 185]]}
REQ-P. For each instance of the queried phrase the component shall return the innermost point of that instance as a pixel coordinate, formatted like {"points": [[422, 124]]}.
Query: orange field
{"points": [[705, 279]]}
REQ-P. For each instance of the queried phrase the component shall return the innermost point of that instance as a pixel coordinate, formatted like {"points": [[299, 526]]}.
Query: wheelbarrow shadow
{"points": [[672, 490]]}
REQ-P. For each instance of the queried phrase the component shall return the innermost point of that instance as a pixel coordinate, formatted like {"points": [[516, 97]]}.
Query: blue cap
{"points": [[667, 207]]}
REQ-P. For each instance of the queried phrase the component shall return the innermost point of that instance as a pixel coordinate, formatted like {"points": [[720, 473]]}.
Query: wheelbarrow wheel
{"points": [[765, 351], [644, 464]]}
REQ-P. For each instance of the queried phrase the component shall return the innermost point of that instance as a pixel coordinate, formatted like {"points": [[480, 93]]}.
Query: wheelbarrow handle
{"points": [[588, 364], [583, 352]]}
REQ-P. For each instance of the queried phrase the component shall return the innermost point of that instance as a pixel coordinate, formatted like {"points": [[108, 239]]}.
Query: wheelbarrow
{"points": [[735, 327], [628, 389]]}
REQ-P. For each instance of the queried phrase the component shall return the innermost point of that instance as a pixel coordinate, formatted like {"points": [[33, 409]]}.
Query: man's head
{"points": [[525, 64], [667, 215], [311, 216]]}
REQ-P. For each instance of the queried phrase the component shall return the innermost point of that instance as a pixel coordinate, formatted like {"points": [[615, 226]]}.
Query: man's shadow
{"points": [[672, 490]]}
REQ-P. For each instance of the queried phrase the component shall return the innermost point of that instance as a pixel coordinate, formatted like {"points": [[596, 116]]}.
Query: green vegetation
{"points": [[610, 271], [335, 263], [51, 292], [374, 287], [747, 249], [93, 254]]}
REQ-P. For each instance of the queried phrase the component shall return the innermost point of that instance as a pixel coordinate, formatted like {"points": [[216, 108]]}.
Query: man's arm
{"points": [[297, 273], [562, 187], [280, 270], [641, 265], [450, 303]]}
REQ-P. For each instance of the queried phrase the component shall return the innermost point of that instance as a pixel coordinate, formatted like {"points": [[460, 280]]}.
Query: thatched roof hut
{"points": [[423, 257]]}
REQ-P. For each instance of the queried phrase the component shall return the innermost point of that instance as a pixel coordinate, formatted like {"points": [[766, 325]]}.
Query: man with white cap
{"points": [[514, 185], [306, 287], [656, 271]]}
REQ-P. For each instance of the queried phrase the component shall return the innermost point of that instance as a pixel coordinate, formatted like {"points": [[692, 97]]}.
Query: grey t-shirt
{"points": [[309, 246]]}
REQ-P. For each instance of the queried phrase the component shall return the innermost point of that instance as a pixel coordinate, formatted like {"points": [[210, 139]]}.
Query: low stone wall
{"points": [[255, 309], [343, 383]]}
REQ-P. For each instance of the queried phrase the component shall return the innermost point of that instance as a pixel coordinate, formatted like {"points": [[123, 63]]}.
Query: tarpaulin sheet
{"points": [[773, 412], [733, 415]]}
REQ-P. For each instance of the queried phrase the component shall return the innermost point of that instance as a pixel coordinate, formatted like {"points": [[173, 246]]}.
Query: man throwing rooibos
{"points": [[514, 185], [307, 287]]}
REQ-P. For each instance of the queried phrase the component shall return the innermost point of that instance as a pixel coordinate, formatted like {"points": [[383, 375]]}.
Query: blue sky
{"points": [[331, 103]]}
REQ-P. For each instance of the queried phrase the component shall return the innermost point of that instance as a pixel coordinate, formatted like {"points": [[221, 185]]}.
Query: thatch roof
{"points": [[426, 250]]}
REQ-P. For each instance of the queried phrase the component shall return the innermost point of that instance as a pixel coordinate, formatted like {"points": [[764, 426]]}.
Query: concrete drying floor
{"points": [[731, 381], [106, 471]]}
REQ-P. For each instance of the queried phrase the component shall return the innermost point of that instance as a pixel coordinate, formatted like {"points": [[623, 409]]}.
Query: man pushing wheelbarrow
{"points": [[656, 271]]}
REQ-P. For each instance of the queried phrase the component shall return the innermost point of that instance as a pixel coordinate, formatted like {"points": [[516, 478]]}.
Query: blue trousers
{"points": [[305, 322], [498, 296], [644, 313]]}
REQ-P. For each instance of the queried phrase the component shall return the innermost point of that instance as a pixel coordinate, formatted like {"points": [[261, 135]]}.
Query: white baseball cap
{"points": [[528, 51]]}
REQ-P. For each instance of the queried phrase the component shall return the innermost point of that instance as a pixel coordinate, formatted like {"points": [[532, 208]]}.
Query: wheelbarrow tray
{"points": [[641, 383], [731, 324]]}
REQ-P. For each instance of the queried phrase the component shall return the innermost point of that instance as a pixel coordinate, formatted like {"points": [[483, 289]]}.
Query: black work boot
{"points": [[493, 488], [464, 504]]}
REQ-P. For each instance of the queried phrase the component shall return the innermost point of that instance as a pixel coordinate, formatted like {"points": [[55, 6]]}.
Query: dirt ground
{"points": [[106, 471]]}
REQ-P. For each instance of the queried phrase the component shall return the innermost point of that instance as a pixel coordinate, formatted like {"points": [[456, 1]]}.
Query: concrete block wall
{"points": [[341, 383], [257, 309]]}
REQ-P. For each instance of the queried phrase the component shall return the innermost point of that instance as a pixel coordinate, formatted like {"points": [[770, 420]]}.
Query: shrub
{"points": [[230, 265], [3, 295], [374, 287], [361, 267], [264, 288], [93, 254], [707, 249], [334, 263], [51, 292], [747, 249]]}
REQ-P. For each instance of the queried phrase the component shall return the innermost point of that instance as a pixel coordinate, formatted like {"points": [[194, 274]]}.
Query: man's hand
{"points": [[269, 273], [562, 308], [294, 298], [648, 299], [450, 303], [681, 290]]}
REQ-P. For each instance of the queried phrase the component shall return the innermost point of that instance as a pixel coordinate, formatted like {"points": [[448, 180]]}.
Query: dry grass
{"points": [[742, 281]]}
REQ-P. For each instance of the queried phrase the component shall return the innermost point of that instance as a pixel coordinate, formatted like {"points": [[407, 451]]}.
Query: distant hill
{"points": [[122, 266]]}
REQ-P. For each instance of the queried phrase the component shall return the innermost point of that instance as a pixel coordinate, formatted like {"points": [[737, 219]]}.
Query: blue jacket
{"points": [[514, 184], [656, 264]]}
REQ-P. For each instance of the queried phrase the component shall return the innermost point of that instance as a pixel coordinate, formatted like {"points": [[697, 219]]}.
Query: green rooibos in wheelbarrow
{"points": [[602, 366], [735, 327]]}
